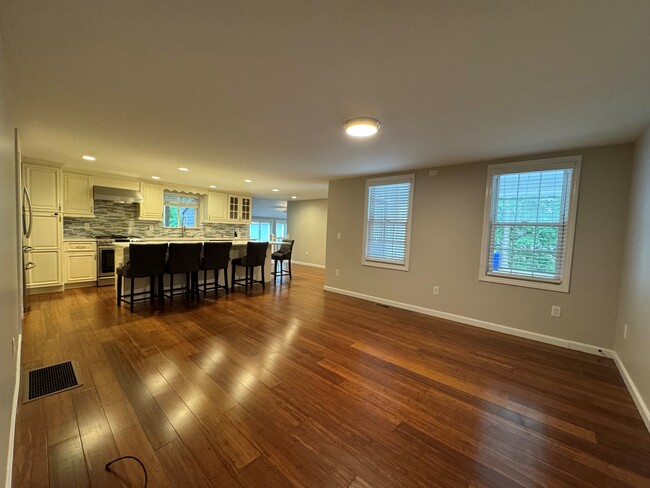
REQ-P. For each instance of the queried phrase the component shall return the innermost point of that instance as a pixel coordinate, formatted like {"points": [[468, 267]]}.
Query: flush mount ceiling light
{"points": [[276, 189], [248, 181], [88, 158], [213, 186], [183, 169], [155, 177], [294, 197], [361, 127]]}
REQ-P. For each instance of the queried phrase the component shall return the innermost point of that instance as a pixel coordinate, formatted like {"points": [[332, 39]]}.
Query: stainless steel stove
{"points": [[106, 256]]}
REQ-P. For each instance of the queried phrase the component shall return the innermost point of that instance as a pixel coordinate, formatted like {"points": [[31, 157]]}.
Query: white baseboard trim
{"points": [[556, 341], [636, 396], [312, 265], [14, 411]]}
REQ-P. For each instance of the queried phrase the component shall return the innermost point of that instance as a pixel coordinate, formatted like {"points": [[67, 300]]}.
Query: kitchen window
{"points": [[387, 230], [529, 223], [180, 210]]}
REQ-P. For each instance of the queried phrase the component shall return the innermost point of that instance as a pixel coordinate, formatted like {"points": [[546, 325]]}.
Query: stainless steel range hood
{"points": [[119, 195]]}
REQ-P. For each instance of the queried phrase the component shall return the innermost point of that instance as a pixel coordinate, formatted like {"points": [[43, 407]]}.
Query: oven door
{"points": [[105, 265]]}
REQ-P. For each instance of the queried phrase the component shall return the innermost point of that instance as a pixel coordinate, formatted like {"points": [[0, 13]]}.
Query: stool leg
{"points": [[205, 282], [161, 289], [232, 276], [216, 284], [151, 287], [225, 278], [289, 268], [187, 286], [132, 293], [262, 276], [119, 289], [275, 271], [171, 288], [246, 282]]}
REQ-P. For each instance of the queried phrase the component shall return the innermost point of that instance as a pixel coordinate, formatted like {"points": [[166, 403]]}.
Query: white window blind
{"points": [[531, 223], [388, 214]]}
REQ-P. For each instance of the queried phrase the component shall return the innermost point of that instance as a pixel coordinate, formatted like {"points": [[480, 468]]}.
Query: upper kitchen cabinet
{"points": [[215, 207], [78, 196], [151, 207], [44, 186], [240, 208]]}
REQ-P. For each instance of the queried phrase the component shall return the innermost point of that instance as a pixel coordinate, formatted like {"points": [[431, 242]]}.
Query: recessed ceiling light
{"points": [[276, 189], [88, 158], [155, 177], [361, 127], [213, 186], [183, 169], [248, 181], [294, 197]]}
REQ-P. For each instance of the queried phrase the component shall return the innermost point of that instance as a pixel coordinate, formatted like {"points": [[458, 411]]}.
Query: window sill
{"points": [[539, 285], [379, 264]]}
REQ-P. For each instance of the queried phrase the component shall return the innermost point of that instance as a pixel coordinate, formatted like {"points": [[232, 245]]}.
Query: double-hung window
{"points": [[529, 223], [180, 210], [387, 230]]}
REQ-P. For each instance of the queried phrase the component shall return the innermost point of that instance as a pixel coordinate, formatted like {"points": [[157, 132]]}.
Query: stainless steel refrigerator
{"points": [[25, 222]]}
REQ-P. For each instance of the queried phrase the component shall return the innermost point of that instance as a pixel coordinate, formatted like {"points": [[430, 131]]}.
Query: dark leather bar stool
{"points": [[145, 260], [279, 257], [216, 256], [184, 258], [255, 256]]}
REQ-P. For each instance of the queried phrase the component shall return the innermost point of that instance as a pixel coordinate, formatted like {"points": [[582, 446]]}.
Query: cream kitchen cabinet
{"points": [[240, 208], [215, 207], [151, 207], [80, 262], [78, 196], [44, 186], [45, 253]]}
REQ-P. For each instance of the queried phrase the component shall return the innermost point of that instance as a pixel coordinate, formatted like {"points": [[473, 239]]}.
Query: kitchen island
{"points": [[238, 250]]}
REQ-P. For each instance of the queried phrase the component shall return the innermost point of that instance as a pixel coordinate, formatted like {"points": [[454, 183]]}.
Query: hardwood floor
{"points": [[299, 387]]}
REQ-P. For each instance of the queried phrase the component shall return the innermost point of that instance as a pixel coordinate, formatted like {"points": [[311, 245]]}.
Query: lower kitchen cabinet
{"points": [[45, 270], [80, 262]]}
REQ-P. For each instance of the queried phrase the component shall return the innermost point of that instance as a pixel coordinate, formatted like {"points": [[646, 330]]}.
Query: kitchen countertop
{"points": [[235, 242], [79, 239]]}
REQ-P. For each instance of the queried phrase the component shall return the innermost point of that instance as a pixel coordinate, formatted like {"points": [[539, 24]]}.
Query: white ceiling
{"points": [[260, 89]]}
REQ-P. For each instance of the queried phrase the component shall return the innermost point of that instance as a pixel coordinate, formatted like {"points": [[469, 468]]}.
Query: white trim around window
{"points": [[388, 214], [558, 280]]}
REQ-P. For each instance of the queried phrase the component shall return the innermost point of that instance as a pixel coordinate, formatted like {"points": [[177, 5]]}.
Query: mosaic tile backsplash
{"points": [[120, 218]]}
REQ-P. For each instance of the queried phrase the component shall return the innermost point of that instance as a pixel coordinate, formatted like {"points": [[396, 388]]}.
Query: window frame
{"points": [[574, 162], [387, 180], [197, 215]]}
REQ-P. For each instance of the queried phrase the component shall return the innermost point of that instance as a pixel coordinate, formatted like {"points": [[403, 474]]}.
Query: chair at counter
{"points": [[255, 256], [184, 258], [216, 256], [145, 260], [279, 257]]}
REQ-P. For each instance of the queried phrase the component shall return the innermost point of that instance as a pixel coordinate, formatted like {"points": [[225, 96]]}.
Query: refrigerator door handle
{"points": [[27, 227], [29, 265]]}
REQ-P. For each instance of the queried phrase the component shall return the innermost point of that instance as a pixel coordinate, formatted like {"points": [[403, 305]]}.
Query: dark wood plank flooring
{"points": [[295, 386]]}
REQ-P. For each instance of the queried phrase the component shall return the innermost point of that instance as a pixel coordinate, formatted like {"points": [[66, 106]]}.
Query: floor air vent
{"points": [[50, 380]]}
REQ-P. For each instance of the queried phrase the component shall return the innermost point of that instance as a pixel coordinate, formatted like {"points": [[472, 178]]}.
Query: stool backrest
{"points": [[147, 259], [184, 257], [286, 246], [216, 255], [256, 253]]}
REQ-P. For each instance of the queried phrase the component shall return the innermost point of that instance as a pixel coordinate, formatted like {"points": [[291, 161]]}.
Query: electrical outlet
{"points": [[337, 271], [436, 290], [87, 226], [338, 236], [151, 227], [624, 331], [556, 310]]}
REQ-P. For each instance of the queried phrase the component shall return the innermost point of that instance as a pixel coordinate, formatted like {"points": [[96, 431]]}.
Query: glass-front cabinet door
{"points": [[233, 207], [246, 209]]}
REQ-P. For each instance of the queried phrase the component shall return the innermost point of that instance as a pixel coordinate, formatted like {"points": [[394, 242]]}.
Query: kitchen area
{"points": [[78, 226]]}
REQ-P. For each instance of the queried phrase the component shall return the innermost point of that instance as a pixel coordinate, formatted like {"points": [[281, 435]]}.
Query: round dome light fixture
{"points": [[361, 127]]}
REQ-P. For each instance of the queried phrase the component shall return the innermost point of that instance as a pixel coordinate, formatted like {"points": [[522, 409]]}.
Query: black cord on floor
{"points": [[146, 478]]}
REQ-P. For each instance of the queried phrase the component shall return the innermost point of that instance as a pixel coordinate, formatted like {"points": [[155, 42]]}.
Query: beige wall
{"points": [[446, 246], [9, 296], [634, 306], [307, 222]]}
